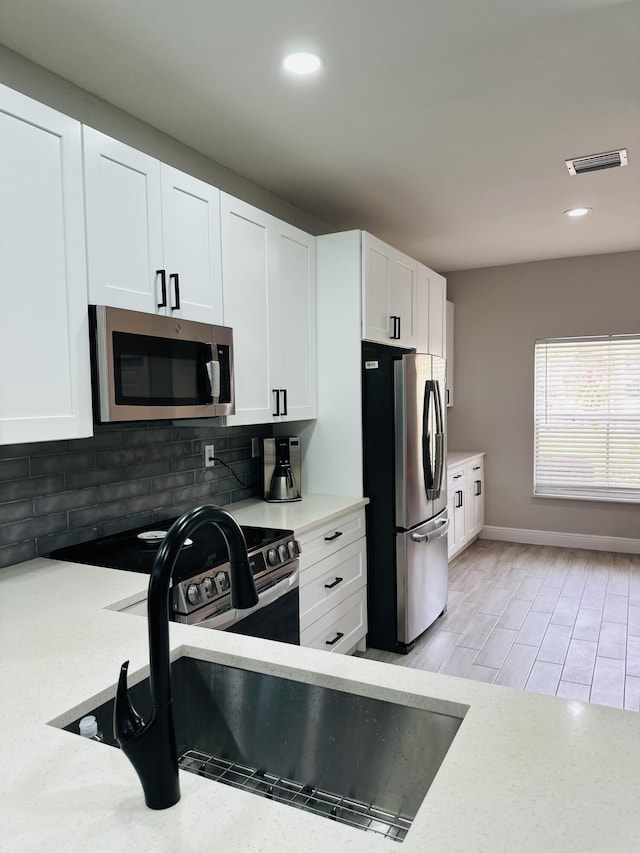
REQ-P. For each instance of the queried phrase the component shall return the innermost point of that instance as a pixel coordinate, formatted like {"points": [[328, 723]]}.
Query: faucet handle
{"points": [[127, 722]]}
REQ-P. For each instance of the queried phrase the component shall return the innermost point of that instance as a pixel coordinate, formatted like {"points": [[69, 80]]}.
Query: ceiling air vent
{"points": [[596, 162]]}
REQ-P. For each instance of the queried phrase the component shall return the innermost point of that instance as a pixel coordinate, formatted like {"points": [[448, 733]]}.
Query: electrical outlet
{"points": [[208, 456]]}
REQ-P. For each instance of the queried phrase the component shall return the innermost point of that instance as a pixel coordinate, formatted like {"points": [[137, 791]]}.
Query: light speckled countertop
{"points": [[525, 772], [455, 457]]}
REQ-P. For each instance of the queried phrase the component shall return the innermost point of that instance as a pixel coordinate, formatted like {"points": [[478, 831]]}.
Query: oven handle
{"points": [[225, 620]]}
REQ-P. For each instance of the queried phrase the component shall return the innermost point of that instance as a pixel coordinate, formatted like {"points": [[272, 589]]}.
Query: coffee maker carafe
{"points": [[281, 469]]}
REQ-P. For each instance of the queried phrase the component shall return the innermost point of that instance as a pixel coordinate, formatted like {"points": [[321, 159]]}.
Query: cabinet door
{"points": [[124, 224], [377, 262], [191, 237], [402, 298], [437, 314], [449, 345], [296, 339], [45, 390], [248, 270], [475, 496], [457, 491]]}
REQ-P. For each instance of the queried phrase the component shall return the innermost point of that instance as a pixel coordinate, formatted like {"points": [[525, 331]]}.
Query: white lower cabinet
{"points": [[457, 502], [465, 485], [333, 585]]}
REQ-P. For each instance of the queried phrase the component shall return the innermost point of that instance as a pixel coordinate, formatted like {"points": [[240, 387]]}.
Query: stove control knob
{"points": [[193, 593], [272, 557], [283, 552], [223, 580], [209, 587], [293, 548]]}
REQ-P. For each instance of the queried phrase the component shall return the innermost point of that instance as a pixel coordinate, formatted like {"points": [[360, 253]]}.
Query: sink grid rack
{"points": [[333, 806]]}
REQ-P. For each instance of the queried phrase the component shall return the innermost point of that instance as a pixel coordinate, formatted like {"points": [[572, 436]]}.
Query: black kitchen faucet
{"points": [[151, 746]]}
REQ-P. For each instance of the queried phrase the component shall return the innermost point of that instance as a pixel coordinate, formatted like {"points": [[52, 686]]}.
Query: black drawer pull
{"points": [[339, 635], [335, 583], [476, 467], [478, 488], [457, 476], [277, 394], [333, 536]]}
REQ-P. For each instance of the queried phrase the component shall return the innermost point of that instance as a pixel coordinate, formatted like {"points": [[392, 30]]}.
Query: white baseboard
{"points": [[562, 540]]}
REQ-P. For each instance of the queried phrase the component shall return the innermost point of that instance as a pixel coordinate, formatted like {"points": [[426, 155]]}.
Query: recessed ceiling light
{"points": [[577, 211], [302, 63]]}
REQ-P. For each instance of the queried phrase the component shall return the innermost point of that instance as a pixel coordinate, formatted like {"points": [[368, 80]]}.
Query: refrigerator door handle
{"points": [[439, 468], [429, 537], [427, 465]]}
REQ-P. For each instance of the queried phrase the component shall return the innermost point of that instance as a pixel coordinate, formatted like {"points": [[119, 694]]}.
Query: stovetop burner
{"points": [[135, 550]]}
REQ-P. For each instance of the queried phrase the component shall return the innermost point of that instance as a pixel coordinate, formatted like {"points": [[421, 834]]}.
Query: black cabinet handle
{"points": [[459, 496], [333, 536], [399, 328], [176, 288], [478, 489], [335, 583], [395, 334], [339, 635], [283, 391], [277, 395], [457, 476], [476, 467], [447, 396], [163, 285]]}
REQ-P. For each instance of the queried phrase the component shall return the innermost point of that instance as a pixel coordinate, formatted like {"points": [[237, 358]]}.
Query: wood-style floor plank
{"points": [[551, 620]]}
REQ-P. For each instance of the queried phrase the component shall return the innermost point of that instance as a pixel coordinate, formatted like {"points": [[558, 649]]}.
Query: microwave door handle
{"points": [[205, 374]]}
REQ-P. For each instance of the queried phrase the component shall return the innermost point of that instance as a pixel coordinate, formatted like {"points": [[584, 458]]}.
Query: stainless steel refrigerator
{"points": [[404, 429]]}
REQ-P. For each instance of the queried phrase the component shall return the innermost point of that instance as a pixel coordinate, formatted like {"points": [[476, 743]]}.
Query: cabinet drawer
{"points": [[340, 630], [323, 541], [456, 478], [475, 468], [330, 581]]}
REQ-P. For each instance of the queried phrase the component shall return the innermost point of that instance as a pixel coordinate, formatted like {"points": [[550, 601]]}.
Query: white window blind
{"points": [[587, 418]]}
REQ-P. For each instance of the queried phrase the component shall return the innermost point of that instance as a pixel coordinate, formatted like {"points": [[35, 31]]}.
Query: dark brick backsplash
{"points": [[59, 493]]}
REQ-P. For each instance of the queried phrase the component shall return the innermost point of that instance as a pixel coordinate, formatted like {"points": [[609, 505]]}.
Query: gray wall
{"points": [[38, 83], [58, 493], [499, 313]]}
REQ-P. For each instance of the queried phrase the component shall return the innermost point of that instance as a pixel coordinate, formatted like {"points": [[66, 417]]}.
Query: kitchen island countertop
{"points": [[525, 772]]}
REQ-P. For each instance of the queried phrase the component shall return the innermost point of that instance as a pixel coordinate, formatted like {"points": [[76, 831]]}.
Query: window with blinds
{"points": [[587, 418]]}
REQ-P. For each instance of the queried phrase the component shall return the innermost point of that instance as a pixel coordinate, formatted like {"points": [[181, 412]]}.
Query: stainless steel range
{"points": [[201, 588]]}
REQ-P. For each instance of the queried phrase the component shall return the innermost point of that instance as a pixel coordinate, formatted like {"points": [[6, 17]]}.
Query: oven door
{"points": [[276, 616]]}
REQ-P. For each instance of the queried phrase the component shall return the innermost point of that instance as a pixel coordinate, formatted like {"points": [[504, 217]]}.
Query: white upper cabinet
{"points": [[247, 267], [450, 349], [269, 301], [296, 334], [431, 315], [388, 294], [45, 390], [153, 234], [402, 298]]}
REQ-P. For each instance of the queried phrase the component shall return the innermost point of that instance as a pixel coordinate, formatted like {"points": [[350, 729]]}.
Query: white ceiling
{"points": [[441, 126]]}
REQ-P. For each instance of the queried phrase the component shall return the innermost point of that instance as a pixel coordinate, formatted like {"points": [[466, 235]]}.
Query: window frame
{"points": [[618, 493]]}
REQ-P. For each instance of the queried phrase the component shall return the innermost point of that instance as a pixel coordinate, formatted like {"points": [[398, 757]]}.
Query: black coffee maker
{"points": [[281, 469]]}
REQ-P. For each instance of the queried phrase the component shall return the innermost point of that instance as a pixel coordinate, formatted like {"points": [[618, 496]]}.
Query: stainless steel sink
{"points": [[363, 761]]}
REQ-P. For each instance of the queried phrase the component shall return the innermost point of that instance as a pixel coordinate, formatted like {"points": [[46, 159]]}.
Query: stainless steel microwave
{"points": [[151, 367]]}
